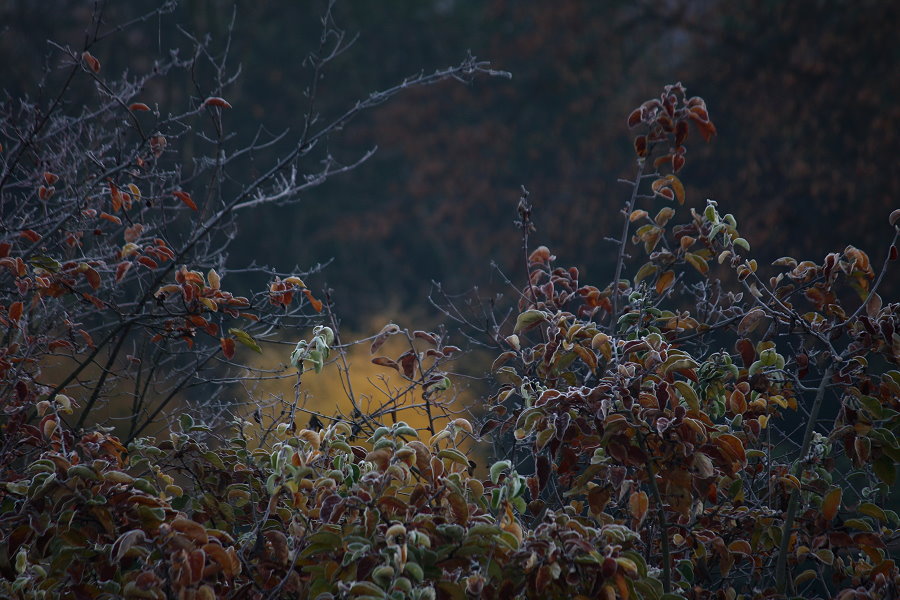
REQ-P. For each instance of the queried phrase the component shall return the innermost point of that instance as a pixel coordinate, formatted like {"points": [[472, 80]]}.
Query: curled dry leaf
{"points": [[138, 106], [895, 217], [386, 332], [216, 101]]}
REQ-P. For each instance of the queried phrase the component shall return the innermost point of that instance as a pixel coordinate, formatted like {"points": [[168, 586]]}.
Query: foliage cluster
{"points": [[691, 428]]}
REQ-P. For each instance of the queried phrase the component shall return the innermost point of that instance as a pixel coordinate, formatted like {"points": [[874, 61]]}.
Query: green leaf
{"points": [[884, 469], [245, 338], [497, 468], [529, 319]]}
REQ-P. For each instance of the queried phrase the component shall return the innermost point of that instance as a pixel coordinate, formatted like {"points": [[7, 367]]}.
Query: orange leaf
{"points": [[51, 178], [111, 218], [139, 106], [216, 101], [186, 198], [665, 281], [115, 197], [831, 503], [638, 505], [316, 304]]}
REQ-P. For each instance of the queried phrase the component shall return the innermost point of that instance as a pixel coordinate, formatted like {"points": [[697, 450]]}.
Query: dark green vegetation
{"points": [[698, 424]]}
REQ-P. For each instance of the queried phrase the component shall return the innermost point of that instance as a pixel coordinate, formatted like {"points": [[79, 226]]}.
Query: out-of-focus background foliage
{"points": [[805, 94]]}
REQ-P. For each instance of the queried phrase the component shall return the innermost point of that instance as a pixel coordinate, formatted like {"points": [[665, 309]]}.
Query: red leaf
{"points": [[15, 311], [147, 262], [139, 106], [634, 118], [893, 252], [227, 347], [51, 178], [4, 249], [93, 277], [640, 145], [121, 269], [31, 235], [316, 304], [186, 198], [91, 61], [216, 101]]}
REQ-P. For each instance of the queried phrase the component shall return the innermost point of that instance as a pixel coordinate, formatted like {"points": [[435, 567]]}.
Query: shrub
{"points": [[694, 430]]}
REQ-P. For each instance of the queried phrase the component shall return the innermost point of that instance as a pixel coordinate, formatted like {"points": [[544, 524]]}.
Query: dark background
{"points": [[804, 95]]}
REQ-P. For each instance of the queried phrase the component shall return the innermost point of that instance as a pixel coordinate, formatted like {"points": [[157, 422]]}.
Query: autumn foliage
{"points": [[699, 426]]}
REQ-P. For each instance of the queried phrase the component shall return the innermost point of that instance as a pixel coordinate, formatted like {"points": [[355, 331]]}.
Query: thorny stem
{"points": [[793, 503], [623, 240]]}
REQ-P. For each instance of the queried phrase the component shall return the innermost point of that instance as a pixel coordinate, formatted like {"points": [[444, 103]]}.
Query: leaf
{"points": [[227, 347], [15, 311], [90, 61], [216, 101], [185, 198], [138, 106], [885, 469], [688, 393], [386, 332], [637, 214], [638, 505], [664, 282], [696, 261], [831, 503], [873, 510], [645, 271], [529, 319], [246, 339], [750, 321], [895, 217], [664, 215], [635, 118], [677, 187], [384, 361], [122, 269], [316, 304]]}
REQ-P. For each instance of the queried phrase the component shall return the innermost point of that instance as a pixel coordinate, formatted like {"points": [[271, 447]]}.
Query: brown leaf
{"points": [[750, 321], [386, 332], [138, 106], [408, 363], [384, 361]]}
